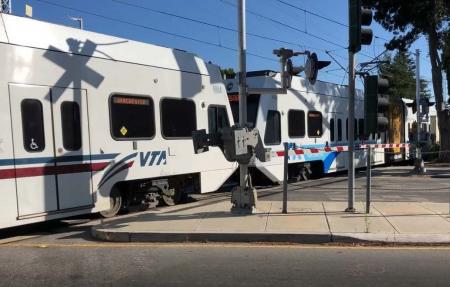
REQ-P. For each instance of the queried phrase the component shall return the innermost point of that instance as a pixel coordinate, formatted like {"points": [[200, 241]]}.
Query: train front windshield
{"points": [[252, 108]]}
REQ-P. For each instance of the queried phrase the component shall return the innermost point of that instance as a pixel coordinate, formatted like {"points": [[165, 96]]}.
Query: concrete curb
{"points": [[405, 238], [172, 237], [107, 235]]}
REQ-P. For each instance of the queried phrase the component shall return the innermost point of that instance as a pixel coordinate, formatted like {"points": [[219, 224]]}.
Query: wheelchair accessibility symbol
{"points": [[33, 144]]}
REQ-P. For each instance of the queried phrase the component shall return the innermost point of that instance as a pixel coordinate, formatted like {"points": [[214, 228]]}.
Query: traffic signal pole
{"points": [[358, 16], [351, 131]]}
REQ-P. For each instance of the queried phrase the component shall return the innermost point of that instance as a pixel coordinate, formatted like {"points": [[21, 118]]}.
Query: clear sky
{"points": [[223, 42]]}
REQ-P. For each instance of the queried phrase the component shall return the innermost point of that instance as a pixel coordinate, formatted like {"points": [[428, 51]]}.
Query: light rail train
{"points": [[94, 123]]}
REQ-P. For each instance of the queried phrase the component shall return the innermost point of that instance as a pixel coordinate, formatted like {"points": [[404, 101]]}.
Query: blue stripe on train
{"points": [[322, 145], [70, 158], [328, 161]]}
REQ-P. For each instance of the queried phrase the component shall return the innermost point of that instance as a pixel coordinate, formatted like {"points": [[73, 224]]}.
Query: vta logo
{"points": [[152, 158]]}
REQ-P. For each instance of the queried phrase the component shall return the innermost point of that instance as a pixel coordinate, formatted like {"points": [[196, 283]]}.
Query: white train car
{"points": [[90, 122], [308, 116]]}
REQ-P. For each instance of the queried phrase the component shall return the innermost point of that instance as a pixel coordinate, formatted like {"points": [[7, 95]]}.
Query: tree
{"points": [[228, 73], [409, 20], [400, 72]]}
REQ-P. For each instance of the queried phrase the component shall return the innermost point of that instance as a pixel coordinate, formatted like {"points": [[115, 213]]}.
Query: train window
{"points": [[314, 124], [178, 118], [272, 135], [339, 127], [32, 125], [361, 129], [71, 125], [332, 130], [296, 123], [252, 108], [132, 117], [217, 118]]}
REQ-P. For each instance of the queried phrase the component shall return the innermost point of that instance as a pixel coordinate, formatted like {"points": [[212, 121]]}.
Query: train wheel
{"points": [[150, 201], [170, 197], [116, 202]]}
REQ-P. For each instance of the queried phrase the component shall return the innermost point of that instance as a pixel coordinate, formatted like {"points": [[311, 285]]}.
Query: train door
{"points": [[72, 151], [31, 117], [51, 149]]}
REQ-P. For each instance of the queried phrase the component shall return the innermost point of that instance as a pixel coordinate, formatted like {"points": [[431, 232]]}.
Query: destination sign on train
{"points": [[131, 101]]}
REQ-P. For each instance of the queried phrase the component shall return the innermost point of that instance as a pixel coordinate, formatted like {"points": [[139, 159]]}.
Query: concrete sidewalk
{"points": [[306, 222]]}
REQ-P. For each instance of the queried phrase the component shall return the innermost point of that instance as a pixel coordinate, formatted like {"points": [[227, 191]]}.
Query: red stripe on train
{"points": [[49, 170]]}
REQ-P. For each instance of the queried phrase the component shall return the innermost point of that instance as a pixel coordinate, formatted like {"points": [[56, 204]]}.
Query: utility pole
{"points": [[419, 166], [5, 6]]}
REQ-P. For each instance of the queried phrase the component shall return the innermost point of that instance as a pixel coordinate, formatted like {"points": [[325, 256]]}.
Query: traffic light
{"points": [[358, 17], [376, 104]]}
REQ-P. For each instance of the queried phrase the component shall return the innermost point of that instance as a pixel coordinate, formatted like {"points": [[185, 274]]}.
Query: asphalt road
{"points": [[389, 184], [99, 264]]}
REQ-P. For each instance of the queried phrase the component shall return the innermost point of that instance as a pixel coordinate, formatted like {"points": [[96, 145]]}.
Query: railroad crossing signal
{"points": [[376, 104], [358, 35]]}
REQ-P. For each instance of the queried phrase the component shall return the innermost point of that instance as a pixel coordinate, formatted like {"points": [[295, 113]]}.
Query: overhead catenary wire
{"points": [[311, 13], [126, 3], [264, 37], [337, 62], [287, 25], [306, 11], [152, 29]]}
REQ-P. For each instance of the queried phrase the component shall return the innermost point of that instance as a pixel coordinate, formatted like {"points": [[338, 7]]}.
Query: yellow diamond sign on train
{"points": [[123, 131]]}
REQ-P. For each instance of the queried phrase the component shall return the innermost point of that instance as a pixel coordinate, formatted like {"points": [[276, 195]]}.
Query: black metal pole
{"points": [[368, 179]]}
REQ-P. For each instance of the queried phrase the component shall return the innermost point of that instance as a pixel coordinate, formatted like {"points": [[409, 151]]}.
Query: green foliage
{"points": [[228, 73], [401, 72], [409, 19]]}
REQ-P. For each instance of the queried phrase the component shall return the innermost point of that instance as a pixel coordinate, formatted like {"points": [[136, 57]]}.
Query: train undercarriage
{"points": [[142, 194]]}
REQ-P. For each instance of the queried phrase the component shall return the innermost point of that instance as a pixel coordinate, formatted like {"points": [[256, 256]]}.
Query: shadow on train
{"points": [[77, 77]]}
